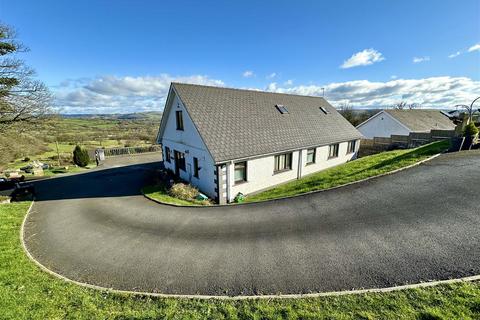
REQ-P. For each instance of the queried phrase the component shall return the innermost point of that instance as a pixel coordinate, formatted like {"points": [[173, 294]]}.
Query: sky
{"points": [[120, 56]]}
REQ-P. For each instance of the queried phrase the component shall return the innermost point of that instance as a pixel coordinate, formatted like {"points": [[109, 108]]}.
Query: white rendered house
{"points": [[402, 122], [229, 141]]}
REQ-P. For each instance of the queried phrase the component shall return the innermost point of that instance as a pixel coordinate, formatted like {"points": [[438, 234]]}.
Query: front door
{"points": [[179, 159]]}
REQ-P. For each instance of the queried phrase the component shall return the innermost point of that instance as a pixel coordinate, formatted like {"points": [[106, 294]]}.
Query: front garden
{"points": [[362, 168], [178, 194]]}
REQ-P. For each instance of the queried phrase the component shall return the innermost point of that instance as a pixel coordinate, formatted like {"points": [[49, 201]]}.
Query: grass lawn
{"points": [[26, 292], [352, 171], [160, 194]]}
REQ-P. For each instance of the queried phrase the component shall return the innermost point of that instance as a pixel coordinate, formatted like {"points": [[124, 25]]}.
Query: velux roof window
{"points": [[281, 108], [324, 110]]}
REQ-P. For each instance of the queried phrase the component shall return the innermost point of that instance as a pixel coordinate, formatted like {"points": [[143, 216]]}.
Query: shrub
{"points": [[470, 130], [183, 191], [80, 156], [26, 159]]}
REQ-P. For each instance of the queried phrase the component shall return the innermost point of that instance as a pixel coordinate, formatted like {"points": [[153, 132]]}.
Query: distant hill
{"points": [[152, 115]]}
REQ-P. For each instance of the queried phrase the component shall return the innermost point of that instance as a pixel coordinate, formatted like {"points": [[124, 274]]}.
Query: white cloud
{"points": [[474, 48], [363, 58], [248, 74], [420, 59], [289, 82], [109, 94], [271, 75], [434, 92], [272, 87], [453, 55], [393, 76]]}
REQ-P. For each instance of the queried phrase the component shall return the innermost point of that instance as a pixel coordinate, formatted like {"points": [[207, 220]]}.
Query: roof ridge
{"points": [[248, 90]]}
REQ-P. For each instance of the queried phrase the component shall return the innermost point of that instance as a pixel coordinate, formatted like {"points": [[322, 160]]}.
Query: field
{"points": [[40, 142]]}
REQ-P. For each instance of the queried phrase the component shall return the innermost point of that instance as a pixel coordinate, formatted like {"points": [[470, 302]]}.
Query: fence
{"points": [[114, 152], [413, 140]]}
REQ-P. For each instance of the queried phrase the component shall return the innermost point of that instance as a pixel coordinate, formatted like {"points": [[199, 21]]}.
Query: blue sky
{"points": [[119, 56]]}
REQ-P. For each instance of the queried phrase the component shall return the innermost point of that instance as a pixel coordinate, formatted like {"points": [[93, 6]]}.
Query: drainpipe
{"points": [[299, 171], [228, 165]]}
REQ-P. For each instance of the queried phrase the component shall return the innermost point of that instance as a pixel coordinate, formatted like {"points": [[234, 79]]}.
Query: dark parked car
{"points": [[23, 191], [16, 189]]}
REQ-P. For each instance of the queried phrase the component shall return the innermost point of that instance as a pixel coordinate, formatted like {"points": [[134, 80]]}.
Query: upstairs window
{"points": [[351, 146], [281, 108], [333, 151], [311, 156], [283, 162], [240, 172], [179, 118]]}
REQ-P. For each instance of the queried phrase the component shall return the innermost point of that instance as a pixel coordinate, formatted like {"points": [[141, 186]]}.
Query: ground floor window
{"points": [[311, 156], [333, 151], [195, 167], [240, 172], [180, 160], [283, 162], [167, 154], [351, 146]]}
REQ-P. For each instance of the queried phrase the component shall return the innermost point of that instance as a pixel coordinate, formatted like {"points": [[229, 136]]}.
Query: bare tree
{"points": [[403, 105], [23, 99], [347, 112]]}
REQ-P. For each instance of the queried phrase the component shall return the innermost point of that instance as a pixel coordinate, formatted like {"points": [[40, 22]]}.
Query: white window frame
{"points": [[314, 156], [333, 147]]}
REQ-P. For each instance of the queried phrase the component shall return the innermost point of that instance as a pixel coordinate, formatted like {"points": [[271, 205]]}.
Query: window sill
{"points": [[309, 164], [180, 129], [330, 158], [281, 171], [237, 183]]}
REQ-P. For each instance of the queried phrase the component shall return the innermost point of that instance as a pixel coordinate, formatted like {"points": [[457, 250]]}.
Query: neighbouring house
{"points": [[229, 141], [403, 122]]}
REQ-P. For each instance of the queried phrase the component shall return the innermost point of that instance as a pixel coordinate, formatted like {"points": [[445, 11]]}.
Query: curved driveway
{"points": [[417, 225]]}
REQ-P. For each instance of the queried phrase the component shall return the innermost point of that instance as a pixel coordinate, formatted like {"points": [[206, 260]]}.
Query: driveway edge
{"points": [[204, 297], [296, 195]]}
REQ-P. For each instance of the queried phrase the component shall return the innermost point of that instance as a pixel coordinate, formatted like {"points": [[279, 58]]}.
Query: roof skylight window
{"points": [[324, 110], [281, 108]]}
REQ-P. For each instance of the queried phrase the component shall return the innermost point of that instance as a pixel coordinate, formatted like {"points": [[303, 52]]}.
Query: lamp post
{"points": [[469, 109]]}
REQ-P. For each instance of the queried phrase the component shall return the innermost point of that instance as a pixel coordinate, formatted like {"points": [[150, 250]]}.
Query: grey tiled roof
{"points": [[237, 124], [421, 120]]}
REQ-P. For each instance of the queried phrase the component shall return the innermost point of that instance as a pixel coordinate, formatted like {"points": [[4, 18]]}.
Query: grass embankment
{"points": [[26, 292], [362, 168], [160, 194]]}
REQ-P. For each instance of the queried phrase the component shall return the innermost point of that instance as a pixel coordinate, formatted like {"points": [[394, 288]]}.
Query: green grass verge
{"points": [[26, 292], [362, 168], [159, 193]]}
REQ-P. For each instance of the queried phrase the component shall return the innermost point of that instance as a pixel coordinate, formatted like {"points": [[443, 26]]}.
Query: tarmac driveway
{"points": [[417, 225]]}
